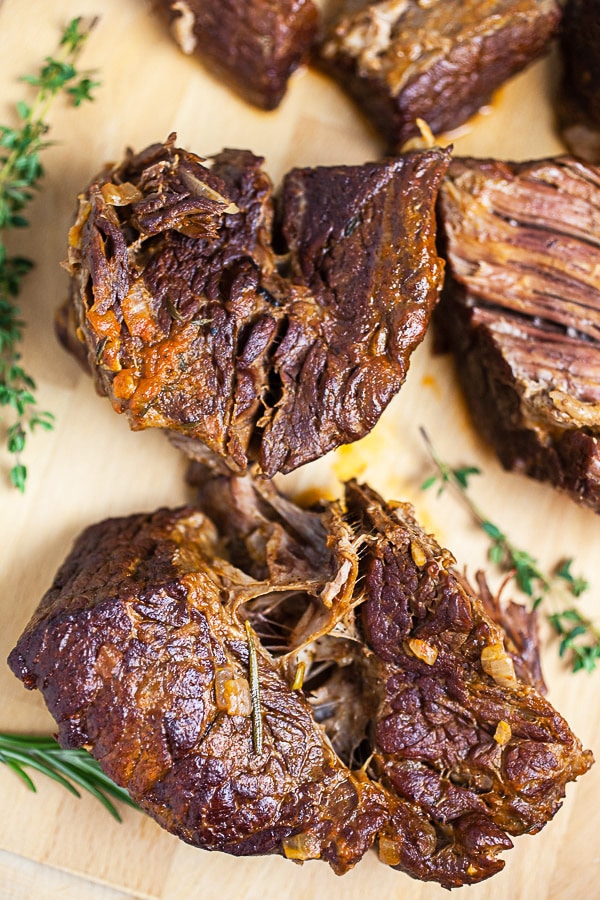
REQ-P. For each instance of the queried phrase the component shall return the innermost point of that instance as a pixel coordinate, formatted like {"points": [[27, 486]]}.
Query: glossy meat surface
{"points": [[439, 61], [191, 322], [409, 726], [521, 310]]}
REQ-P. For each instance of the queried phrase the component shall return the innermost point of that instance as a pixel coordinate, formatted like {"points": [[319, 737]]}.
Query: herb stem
{"points": [[257, 729], [20, 174], [579, 635]]}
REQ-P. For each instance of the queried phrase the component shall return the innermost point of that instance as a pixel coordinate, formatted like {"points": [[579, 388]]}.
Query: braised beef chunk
{"points": [[389, 705], [254, 45], [439, 61], [521, 310], [193, 324], [579, 105]]}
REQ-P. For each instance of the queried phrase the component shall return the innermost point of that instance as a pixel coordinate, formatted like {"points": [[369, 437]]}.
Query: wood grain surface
{"points": [[92, 466]]}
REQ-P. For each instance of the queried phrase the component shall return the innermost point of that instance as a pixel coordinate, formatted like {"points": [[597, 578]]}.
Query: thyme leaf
{"points": [[579, 636], [20, 174]]}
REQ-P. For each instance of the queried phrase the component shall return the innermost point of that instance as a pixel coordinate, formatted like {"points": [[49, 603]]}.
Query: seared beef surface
{"points": [[254, 45], [191, 322], [521, 310], [141, 652], [439, 61], [579, 105]]}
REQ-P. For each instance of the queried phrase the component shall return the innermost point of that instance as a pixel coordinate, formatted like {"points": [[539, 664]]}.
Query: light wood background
{"points": [[91, 466]]}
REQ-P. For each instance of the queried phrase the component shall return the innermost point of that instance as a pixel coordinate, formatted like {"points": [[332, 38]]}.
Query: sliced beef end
{"points": [[190, 326], [521, 311], [139, 653], [441, 61], [476, 752], [579, 101], [253, 45]]}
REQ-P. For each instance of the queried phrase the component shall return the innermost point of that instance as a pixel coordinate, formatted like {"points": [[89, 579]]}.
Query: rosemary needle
{"points": [[72, 769], [257, 729]]}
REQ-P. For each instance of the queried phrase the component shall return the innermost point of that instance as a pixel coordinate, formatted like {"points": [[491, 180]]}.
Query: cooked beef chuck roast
{"points": [[439, 61], [521, 310], [579, 104], [193, 324], [254, 45], [141, 651]]}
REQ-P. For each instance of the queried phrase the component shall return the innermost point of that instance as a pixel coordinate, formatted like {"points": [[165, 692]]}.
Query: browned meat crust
{"points": [[579, 105], [439, 61], [192, 323], [254, 45], [141, 652], [521, 309]]}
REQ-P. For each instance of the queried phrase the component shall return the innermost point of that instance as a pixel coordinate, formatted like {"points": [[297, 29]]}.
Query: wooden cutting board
{"points": [[92, 466]]}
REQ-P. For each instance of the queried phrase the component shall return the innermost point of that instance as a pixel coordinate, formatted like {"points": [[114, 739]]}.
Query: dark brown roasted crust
{"points": [[191, 322], [437, 61], [254, 45], [147, 612], [521, 310], [126, 647], [579, 103]]}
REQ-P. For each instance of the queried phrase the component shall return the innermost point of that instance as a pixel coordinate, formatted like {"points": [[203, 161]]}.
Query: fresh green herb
{"points": [[20, 175], [580, 637], [72, 769], [577, 585], [257, 729]]}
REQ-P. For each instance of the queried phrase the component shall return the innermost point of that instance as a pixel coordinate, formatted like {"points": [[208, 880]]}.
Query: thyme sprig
{"points": [[20, 174], [72, 769], [580, 637]]}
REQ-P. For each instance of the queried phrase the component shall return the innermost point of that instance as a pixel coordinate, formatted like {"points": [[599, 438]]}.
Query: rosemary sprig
{"points": [[68, 767], [580, 637], [257, 729], [20, 175]]}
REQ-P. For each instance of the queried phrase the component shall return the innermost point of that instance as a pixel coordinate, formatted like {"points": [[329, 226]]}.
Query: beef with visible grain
{"points": [[521, 310]]}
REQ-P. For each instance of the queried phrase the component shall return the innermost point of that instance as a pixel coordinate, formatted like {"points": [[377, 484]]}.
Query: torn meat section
{"points": [[188, 324]]}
